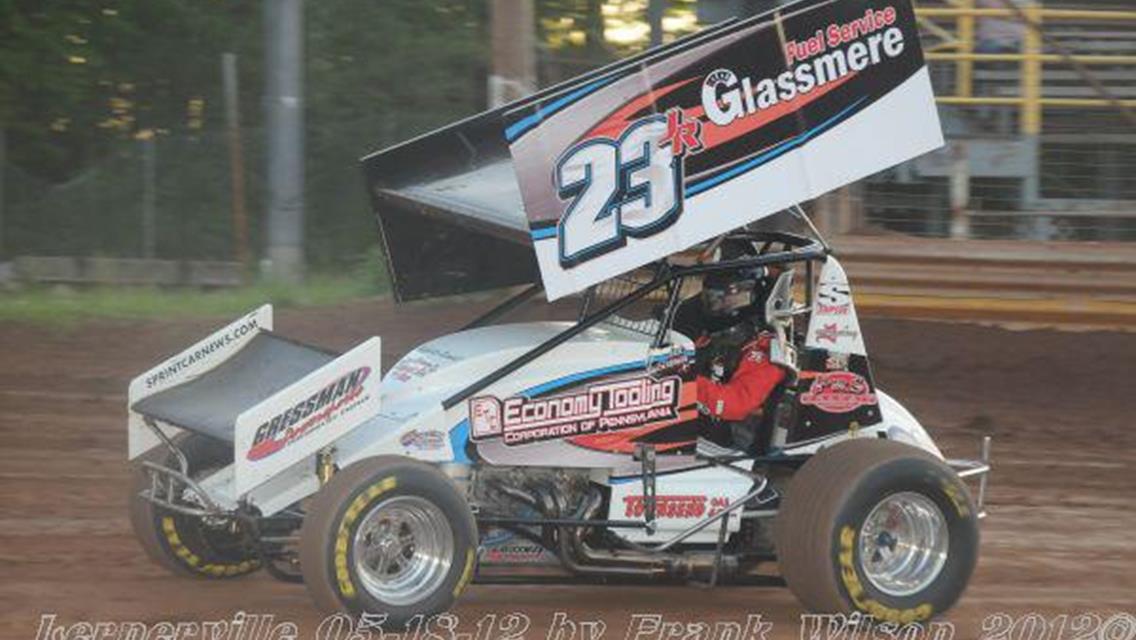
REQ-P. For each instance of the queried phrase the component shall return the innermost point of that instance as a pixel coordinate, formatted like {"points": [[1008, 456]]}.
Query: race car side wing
{"points": [[309, 414]]}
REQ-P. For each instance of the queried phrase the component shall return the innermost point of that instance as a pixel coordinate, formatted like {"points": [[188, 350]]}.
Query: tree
{"points": [[77, 74]]}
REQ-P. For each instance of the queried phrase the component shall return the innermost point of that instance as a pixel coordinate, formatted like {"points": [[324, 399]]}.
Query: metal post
{"points": [[655, 10], [825, 213], [964, 68], [3, 165], [1031, 74], [851, 208], [513, 75], [285, 105], [149, 196], [593, 25], [1031, 114], [960, 190], [236, 158], [984, 456]]}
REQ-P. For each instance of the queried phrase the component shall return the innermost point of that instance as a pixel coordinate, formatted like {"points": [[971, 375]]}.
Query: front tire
{"points": [[388, 535], [877, 527]]}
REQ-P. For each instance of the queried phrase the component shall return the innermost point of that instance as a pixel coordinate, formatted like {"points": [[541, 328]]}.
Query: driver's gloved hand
{"points": [[680, 367], [704, 358]]}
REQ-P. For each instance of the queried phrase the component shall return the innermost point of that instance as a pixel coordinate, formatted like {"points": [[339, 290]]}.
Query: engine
{"points": [[562, 497], [527, 493]]}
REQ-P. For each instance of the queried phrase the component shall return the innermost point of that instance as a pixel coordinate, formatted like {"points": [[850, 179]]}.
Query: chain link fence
{"points": [[186, 195], [1070, 179]]}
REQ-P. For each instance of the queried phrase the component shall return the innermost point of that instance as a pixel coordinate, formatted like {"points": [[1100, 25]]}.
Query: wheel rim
{"points": [[904, 543], [218, 534], [403, 550]]}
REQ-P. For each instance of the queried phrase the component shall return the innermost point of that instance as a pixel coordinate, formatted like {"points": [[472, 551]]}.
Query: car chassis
{"points": [[171, 487]]}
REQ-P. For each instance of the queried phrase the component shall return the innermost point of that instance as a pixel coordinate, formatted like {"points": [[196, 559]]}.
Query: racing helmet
{"points": [[734, 293], [727, 296]]}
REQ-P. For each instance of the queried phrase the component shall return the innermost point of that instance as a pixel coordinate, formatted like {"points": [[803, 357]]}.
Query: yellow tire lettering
{"points": [[192, 561], [339, 557], [956, 498], [467, 573], [856, 591]]}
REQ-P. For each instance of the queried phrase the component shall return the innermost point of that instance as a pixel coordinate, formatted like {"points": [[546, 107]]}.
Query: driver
{"points": [[735, 376]]}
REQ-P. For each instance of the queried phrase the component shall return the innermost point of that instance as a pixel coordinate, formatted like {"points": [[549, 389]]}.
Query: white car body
{"points": [[404, 415]]}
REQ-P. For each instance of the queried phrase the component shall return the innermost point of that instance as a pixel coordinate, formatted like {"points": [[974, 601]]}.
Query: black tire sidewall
{"points": [[408, 480], [937, 483], [180, 539]]}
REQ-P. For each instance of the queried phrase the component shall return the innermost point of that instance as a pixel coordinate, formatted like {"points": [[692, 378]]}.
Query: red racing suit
{"points": [[747, 389]]}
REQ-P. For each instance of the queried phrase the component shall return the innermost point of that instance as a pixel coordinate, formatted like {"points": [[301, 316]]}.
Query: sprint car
{"points": [[566, 451]]}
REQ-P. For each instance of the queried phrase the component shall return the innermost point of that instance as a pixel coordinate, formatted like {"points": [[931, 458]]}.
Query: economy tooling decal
{"points": [[608, 406]]}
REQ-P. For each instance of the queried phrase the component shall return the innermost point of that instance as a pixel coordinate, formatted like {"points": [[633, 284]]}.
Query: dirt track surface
{"points": [[1061, 537]]}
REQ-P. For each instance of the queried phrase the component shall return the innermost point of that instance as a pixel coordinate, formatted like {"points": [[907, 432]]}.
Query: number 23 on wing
{"points": [[620, 188]]}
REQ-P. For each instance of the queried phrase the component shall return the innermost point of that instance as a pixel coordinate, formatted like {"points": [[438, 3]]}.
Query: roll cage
{"points": [[775, 248]]}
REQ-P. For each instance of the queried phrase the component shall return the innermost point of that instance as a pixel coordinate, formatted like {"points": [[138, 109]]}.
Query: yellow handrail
{"points": [[1031, 58], [1046, 14], [1015, 101], [1041, 57], [964, 69]]}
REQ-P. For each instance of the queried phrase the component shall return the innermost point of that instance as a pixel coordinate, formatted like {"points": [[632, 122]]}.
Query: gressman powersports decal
{"points": [[657, 155], [308, 415], [604, 407]]}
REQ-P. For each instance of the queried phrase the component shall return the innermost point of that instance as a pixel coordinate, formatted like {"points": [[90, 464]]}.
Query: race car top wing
{"points": [[448, 205], [683, 144]]}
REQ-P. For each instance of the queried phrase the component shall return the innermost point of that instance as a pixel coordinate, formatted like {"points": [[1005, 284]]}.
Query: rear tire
{"points": [[388, 535], [187, 545], [877, 527]]}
